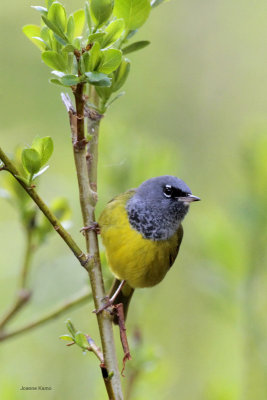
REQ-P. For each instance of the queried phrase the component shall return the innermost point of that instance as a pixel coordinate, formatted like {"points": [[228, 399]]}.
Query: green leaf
{"points": [[55, 81], [70, 80], [121, 74], [46, 36], [155, 3], [95, 57], [87, 16], [134, 12], [45, 148], [49, 3], [70, 28], [77, 43], [57, 15], [40, 172], [69, 48], [85, 59], [31, 160], [96, 37], [101, 11], [71, 328], [135, 46], [110, 60], [113, 32], [98, 79], [42, 10], [33, 31], [54, 60], [80, 340], [79, 20], [61, 41], [66, 337], [115, 98], [59, 74], [54, 28]]}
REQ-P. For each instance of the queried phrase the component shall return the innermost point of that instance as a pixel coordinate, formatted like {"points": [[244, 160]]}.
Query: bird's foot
{"points": [[93, 227], [111, 300], [108, 304]]}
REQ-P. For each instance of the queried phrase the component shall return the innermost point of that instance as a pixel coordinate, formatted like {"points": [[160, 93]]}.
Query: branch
{"points": [[73, 301], [88, 199], [23, 297], [10, 167], [23, 294], [92, 146], [107, 379]]}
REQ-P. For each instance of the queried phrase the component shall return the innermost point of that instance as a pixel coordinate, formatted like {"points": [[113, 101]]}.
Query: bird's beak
{"points": [[189, 198]]}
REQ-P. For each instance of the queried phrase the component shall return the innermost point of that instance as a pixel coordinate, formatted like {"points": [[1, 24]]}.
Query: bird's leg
{"points": [[93, 227], [124, 341], [112, 299]]}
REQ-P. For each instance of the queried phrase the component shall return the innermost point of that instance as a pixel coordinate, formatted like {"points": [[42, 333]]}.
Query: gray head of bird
{"points": [[158, 206]]}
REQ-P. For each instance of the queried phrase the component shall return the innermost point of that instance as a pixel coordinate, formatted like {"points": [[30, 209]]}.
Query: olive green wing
{"points": [[109, 215]]}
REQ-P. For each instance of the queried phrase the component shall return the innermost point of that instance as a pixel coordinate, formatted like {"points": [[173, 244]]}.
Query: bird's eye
{"points": [[167, 191]]}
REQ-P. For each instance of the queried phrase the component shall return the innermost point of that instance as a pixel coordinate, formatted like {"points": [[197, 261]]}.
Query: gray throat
{"points": [[151, 222]]}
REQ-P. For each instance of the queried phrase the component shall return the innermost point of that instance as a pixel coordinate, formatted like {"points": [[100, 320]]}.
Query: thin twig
{"points": [[107, 379], [22, 298], [77, 299], [23, 293], [93, 120], [94, 348], [88, 200], [27, 258], [80, 255]]}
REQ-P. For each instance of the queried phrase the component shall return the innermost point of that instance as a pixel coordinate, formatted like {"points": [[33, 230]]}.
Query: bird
{"points": [[141, 231]]}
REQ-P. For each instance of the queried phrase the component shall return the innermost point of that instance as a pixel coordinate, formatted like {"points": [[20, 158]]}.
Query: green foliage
{"points": [[45, 148], [31, 161], [98, 79], [71, 328], [57, 16], [80, 340], [101, 11], [54, 60], [90, 41], [135, 46], [79, 21], [113, 32], [33, 32], [110, 60], [75, 336], [133, 12]]}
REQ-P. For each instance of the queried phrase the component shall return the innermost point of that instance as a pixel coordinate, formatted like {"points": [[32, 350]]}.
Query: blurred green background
{"points": [[196, 108]]}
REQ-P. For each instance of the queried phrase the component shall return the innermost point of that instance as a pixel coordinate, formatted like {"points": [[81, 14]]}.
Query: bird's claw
{"points": [[108, 304], [93, 227]]}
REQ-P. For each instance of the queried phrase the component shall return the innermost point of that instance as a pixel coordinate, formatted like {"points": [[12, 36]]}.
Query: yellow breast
{"points": [[141, 262]]}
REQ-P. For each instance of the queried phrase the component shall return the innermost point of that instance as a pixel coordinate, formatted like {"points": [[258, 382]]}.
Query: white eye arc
{"points": [[167, 191]]}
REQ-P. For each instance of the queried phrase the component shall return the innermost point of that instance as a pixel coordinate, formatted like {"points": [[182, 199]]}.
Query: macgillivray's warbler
{"points": [[142, 232]]}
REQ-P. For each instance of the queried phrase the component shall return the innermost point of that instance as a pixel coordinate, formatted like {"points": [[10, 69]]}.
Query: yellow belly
{"points": [[141, 262]]}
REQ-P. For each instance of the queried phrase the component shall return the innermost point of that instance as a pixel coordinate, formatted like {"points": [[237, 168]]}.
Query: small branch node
{"points": [[95, 349], [70, 344], [79, 145], [24, 295], [92, 114]]}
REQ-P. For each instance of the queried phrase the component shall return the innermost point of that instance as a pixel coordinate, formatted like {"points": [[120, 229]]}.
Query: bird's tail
{"points": [[123, 297]]}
